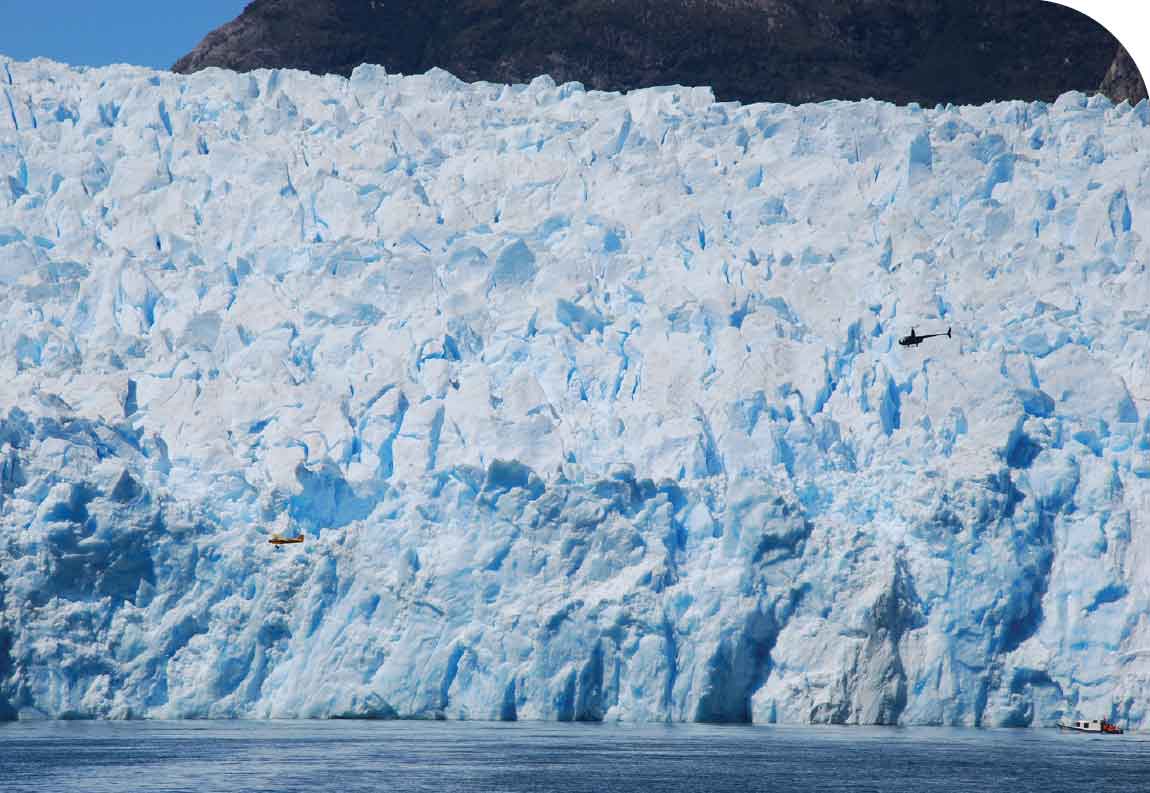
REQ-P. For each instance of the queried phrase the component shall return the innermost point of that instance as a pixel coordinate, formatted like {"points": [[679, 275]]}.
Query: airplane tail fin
{"points": [[948, 333]]}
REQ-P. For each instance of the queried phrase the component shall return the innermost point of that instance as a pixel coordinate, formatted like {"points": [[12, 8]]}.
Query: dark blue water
{"points": [[395, 757]]}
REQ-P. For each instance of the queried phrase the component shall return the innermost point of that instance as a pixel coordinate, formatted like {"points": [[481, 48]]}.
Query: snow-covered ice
{"points": [[590, 404]]}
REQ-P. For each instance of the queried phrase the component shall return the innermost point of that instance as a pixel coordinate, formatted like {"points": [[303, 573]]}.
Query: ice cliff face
{"points": [[590, 405]]}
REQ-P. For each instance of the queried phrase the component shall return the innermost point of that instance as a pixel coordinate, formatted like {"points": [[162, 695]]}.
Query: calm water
{"points": [[395, 757]]}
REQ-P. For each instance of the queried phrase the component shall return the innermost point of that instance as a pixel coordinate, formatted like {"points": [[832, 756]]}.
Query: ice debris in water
{"points": [[590, 404]]}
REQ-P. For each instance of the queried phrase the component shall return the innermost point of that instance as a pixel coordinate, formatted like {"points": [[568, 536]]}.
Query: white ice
{"points": [[590, 405]]}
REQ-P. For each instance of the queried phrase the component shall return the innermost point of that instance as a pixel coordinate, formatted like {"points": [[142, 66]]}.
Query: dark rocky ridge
{"points": [[1123, 80], [928, 51]]}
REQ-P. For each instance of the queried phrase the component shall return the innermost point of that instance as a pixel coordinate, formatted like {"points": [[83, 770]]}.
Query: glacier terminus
{"points": [[590, 405]]}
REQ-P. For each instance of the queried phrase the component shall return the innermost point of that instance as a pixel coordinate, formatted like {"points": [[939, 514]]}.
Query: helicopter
{"points": [[913, 340]]}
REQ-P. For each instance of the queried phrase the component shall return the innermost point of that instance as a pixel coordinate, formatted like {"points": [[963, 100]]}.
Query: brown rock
{"points": [[1123, 80], [929, 51]]}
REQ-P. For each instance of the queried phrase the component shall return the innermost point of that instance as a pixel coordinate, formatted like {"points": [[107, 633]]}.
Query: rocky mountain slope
{"points": [[1123, 80], [926, 51]]}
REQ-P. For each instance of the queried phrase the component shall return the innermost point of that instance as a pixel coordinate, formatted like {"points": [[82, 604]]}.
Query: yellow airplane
{"points": [[278, 540]]}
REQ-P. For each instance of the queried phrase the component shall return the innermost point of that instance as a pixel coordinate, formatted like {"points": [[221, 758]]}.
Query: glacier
{"points": [[589, 404]]}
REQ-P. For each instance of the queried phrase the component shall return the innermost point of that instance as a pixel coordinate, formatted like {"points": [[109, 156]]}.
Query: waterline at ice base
{"points": [[589, 406]]}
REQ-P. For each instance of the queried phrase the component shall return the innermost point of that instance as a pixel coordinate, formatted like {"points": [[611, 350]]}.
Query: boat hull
{"points": [[1105, 729]]}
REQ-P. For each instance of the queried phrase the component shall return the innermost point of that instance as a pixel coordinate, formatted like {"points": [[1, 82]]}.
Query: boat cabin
{"points": [[1093, 725]]}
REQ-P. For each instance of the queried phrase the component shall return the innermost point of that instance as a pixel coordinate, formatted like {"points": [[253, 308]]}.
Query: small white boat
{"points": [[1093, 725]]}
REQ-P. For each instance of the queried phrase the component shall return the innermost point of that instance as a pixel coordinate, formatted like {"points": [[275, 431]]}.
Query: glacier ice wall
{"points": [[590, 404]]}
